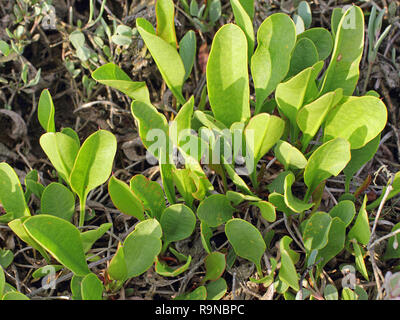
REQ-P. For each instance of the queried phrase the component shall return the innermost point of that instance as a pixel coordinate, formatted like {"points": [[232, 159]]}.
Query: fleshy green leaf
{"points": [[46, 111], [11, 195], [304, 12], [270, 63], [177, 222], [90, 237], [93, 163], [166, 57], [227, 76], [345, 210], [343, 69], [322, 40], [267, 210], [291, 201], [17, 227], [360, 264], [289, 258], [150, 193], [216, 289], [359, 120], [316, 230], [113, 76], [261, 133], [124, 199], [61, 239], [215, 210], [289, 156], [312, 115], [91, 287], [328, 160], [215, 264], [360, 230], [187, 51], [304, 55], [393, 248], [164, 270], [244, 21], [61, 149], [246, 240], [58, 200], [165, 14], [290, 94]]}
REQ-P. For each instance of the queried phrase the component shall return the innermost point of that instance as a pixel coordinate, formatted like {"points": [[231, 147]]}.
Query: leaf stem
{"points": [[82, 206]]}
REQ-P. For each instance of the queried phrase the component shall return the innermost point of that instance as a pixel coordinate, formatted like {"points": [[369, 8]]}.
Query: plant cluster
{"points": [[303, 113]]}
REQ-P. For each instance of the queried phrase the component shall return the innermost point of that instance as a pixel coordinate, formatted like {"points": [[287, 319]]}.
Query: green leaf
{"points": [[278, 200], [322, 40], [15, 296], [360, 230], [215, 210], [393, 248], [11, 195], [311, 116], [88, 238], [267, 210], [244, 21], [315, 235], [270, 63], [46, 111], [328, 160], [227, 76], [75, 286], [261, 133], [361, 156], [91, 287], [345, 210], [185, 185], [149, 119], [237, 198], [177, 222], [113, 76], [394, 192], [150, 193], [290, 95], [360, 264], [164, 270], [58, 200], [124, 199], [5, 50], [199, 293], [343, 69], [246, 240], [215, 264], [289, 258], [304, 55], [61, 149], [331, 293], [304, 12], [359, 120], [61, 239], [166, 57], [32, 185], [348, 294], [216, 289], [93, 163], [17, 227], [2, 282], [337, 14], [140, 252], [291, 201], [206, 234], [6, 257], [165, 15], [187, 51], [289, 156]]}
